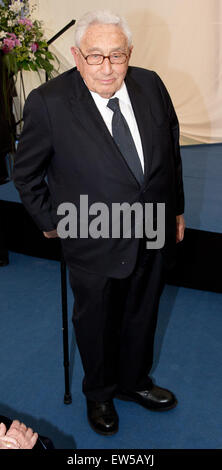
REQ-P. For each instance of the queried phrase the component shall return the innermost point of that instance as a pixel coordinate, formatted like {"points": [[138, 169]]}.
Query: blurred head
{"points": [[102, 33]]}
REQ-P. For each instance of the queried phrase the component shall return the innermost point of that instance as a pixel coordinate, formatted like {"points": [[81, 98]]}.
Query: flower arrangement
{"points": [[22, 40]]}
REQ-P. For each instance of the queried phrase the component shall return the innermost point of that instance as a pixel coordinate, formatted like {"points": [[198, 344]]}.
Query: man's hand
{"points": [[52, 234], [180, 228], [17, 437]]}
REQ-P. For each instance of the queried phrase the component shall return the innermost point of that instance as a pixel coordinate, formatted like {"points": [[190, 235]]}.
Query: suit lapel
{"points": [[86, 111], [142, 113]]}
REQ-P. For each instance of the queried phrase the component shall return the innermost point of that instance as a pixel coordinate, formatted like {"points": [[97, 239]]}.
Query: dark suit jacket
{"points": [[66, 139]]}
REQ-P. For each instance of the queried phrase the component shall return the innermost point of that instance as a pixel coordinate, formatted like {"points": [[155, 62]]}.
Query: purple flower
{"points": [[34, 46]]}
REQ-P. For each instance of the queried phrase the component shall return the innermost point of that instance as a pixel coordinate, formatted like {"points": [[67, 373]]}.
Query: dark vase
{"points": [[7, 121]]}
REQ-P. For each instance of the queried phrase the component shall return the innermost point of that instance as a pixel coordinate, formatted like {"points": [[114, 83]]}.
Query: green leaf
{"points": [[25, 65], [34, 67], [49, 55]]}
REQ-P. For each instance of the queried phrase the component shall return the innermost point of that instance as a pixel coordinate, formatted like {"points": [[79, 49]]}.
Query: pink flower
{"points": [[34, 46], [26, 22], [12, 35], [8, 45], [15, 39], [10, 42]]}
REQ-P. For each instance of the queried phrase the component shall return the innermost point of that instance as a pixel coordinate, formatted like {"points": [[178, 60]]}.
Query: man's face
{"points": [[107, 78]]}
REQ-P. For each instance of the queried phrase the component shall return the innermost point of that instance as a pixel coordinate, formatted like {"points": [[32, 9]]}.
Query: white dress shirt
{"points": [[126, 110]]}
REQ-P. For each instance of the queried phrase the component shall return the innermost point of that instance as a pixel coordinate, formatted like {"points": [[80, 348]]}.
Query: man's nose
{"points": [[107, 66]]}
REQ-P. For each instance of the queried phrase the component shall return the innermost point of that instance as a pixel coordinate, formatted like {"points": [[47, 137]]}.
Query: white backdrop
{"points": [[180, 39]]}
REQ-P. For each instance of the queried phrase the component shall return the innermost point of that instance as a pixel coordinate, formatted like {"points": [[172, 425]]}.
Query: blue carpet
{"points": [[188, 357]]}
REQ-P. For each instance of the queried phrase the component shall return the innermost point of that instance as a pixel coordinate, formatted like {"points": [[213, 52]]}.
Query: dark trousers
{"points": [[115, 322]]}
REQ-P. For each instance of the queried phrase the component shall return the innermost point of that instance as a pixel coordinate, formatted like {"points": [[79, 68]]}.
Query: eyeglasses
{"points": [[97, 59]]}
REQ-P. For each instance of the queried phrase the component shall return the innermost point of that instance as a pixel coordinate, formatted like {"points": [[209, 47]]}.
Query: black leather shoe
{"points": [[102, 417], [157, 399]]}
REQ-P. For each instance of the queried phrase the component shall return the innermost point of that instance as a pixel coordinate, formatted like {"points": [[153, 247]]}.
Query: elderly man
{"points": [[105, 132]]}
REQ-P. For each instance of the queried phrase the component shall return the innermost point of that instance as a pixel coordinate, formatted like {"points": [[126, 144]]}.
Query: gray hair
{"points": [[100, 17]]}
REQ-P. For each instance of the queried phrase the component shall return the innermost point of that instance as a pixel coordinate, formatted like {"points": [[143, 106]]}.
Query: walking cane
{"points": [[67, 395]]}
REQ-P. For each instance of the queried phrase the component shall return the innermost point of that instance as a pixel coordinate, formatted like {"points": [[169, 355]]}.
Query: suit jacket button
{"points": [[123, 262]]}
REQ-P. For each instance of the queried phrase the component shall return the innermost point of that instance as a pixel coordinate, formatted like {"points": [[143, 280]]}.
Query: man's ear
{"points": [[75, 53], [130, 51]]}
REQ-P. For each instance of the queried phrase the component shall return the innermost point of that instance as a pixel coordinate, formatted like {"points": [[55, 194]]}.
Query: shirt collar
{"points": [[122, 94]]}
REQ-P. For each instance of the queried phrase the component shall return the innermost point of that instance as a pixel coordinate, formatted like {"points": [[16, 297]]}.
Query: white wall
{"points": [[179, 39]]}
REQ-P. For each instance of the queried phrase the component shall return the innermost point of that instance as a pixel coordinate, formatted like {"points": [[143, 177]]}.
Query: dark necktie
{"points": [[124, 140]]}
